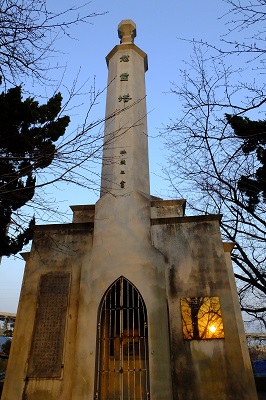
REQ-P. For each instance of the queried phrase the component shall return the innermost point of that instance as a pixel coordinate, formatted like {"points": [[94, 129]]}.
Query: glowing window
{"points": [[202, 318]]}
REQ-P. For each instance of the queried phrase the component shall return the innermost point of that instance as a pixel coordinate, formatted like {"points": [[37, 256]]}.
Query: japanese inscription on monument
{"points": [[124, 58], [49, 327], [124, 76], [125, 98]]}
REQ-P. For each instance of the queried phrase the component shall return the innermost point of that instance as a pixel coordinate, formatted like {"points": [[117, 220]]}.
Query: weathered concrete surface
{"points": [[122, 247], [83, 213], [126, 132], [198, 266], [55, 248]]}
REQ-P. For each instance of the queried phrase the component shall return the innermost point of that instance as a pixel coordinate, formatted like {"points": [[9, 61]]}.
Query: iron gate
{"points": [[122, 364]]}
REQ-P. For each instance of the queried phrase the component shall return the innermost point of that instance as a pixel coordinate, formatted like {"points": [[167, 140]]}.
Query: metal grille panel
{"points": [[122, 365]]}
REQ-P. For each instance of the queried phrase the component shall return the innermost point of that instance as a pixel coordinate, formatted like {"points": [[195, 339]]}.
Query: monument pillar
{"points": [[125, 165]]}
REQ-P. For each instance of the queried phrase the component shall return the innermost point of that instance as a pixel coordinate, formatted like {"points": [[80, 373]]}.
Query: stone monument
{"points": [[133, 299]]}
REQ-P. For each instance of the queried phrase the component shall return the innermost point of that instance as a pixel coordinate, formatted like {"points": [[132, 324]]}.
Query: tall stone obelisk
{"points": [[125, 157]]}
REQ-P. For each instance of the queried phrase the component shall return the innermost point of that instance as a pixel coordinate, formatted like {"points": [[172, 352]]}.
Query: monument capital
{"points": [[127, 31]]}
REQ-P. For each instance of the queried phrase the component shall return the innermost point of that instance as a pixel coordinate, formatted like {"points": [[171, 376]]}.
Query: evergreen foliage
{"points": [[28, 132], [253, 134]]}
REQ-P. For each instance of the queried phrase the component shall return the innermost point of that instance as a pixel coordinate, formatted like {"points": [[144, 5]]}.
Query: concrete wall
{"points": [[179, 257], [196, 265], [55, 248], [122, 247]]}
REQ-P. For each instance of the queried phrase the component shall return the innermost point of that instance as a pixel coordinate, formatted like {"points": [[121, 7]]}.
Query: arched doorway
{"points": [[122, 341]]}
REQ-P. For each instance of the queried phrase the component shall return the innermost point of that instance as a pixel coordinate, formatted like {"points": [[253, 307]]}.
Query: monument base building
{"points": [[133, 299]]}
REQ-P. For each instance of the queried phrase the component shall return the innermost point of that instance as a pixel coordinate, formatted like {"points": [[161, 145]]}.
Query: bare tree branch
{"points": [[28, 33], [207, 160]]}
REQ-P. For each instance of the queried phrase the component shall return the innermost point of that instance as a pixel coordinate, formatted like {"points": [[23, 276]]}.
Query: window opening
{"points": [[122, 364], [202, 318]]}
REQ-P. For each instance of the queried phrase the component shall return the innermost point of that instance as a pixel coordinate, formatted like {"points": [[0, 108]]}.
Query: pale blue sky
{"points": [[159, 25]]}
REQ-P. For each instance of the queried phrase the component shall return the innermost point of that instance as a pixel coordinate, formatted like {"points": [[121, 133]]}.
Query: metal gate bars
{"points": [[122, 357]]}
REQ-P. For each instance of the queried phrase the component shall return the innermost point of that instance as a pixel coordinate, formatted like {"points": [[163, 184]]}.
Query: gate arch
{"points": [[122, 367]]}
